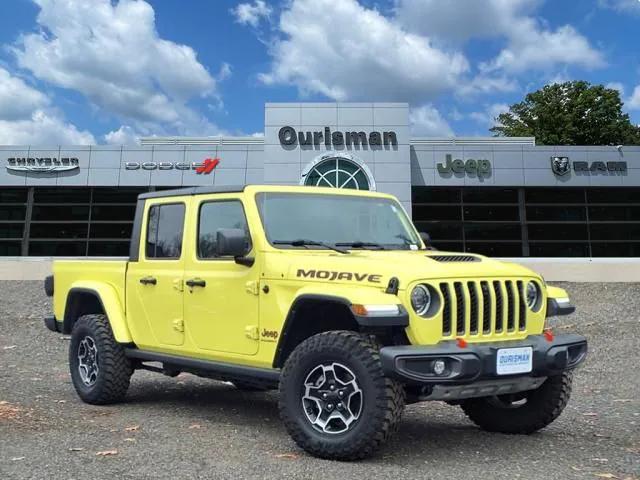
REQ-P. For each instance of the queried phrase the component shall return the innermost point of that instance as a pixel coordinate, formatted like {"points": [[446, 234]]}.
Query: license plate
{"points": [[514, 360]]}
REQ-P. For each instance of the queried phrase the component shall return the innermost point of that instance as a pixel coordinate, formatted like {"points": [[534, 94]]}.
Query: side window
{"points": [[165, 225], [217, 215]]}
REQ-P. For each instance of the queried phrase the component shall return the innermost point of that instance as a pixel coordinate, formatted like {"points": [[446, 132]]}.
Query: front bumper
{"points": [[477, 362]]}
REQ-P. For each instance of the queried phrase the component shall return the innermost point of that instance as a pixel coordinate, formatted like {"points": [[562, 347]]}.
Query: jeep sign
{"points": [[471, 166]]}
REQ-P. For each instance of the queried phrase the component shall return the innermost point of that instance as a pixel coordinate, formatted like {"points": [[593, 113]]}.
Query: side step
{"points": [[207, 368]]}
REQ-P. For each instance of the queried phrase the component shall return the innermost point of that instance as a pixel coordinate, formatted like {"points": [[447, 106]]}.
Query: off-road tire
{"points": [[114, 368], [382, 398], [543, 406]]}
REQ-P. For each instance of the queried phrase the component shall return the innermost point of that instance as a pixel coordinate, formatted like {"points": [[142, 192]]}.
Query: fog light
{"points": [[439, 367]]}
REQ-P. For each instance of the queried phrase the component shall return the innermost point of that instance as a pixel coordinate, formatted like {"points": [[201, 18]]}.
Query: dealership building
{"points": [[503, 197]]}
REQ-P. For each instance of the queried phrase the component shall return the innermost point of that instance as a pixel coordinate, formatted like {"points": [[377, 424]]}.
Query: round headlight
{"points": [[420, 299], [532, 295]]}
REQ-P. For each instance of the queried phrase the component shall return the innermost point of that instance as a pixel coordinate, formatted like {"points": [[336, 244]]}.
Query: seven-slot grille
{"points": [[485, 307]]}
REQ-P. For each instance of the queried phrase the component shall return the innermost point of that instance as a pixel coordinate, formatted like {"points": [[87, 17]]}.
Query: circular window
{"points": [[338, 171]]}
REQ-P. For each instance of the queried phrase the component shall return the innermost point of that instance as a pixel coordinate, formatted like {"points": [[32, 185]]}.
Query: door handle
{"points": [[148, 281], [195, 282]]}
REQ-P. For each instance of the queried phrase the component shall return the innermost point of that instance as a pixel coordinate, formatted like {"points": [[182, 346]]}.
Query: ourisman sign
{"points": [[289, 137]]}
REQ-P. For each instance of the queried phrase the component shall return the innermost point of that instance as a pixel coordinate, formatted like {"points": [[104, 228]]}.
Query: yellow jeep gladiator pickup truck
{"points": [[330, 296]]}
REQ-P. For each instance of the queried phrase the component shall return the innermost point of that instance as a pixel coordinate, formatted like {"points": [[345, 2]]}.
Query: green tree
{"points": [[570, 113]]}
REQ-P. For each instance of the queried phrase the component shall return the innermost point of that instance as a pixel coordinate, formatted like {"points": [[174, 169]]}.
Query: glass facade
{"points": [[504, 222], [54, 221], [531, 221]]}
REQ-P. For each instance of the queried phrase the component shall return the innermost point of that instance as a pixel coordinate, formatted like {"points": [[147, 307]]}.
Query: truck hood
{"points": [[373, 268]]}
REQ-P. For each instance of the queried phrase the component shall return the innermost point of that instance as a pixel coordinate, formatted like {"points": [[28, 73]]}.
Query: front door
{"points": [[220, 296], [154, 282]]}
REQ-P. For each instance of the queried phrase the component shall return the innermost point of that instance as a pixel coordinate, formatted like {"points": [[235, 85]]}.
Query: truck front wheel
{"points": [[334, 399], [524, 412], [100, 371]]}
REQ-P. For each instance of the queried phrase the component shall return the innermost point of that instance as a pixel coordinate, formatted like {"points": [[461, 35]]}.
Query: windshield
{"points": [[350, 221]]}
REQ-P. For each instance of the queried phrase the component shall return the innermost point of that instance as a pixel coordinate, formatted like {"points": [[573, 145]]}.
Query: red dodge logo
{"points": [[208, 165]]}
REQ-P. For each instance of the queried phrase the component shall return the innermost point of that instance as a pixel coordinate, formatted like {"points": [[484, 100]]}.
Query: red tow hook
{"points": [[548, 334], [462, 343]]}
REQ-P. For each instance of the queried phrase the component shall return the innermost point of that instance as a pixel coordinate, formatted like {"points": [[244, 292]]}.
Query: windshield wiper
{"points": [[303, 243], [359, 244]]}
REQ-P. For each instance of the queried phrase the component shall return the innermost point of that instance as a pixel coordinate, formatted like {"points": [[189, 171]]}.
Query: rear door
{"points": [[221, 306], [155, 281]]}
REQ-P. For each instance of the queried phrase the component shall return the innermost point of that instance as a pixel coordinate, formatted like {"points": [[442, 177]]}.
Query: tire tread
{"points": [[389, 402], [549, 400], [115, 368]]}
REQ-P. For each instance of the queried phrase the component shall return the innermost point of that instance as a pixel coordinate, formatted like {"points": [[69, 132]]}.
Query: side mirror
{"points": [[231, 242]]}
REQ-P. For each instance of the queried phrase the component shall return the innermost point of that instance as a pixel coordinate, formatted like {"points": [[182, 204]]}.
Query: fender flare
{"points": [[108, 299], [363, 322]]}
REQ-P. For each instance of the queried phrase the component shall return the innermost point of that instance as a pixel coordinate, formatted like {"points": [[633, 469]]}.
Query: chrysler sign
{"points": [[42, 164]]}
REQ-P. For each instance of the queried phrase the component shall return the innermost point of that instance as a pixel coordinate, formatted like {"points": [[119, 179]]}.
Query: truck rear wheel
{"points": [[334, 399], [100, 371], [524, 412]]}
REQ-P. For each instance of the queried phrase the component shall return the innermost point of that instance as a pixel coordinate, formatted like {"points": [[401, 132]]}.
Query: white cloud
{"points": [[622, 6], [17, 99], [490, 114], [251, 14], [42, 128], [559, 77], [616, 86], [533, 49], [530, 46], [345, 51], [487, 84], [633, 102], [462, 20], [427, 121], [112, 54], [125, 135], [26, 117]]}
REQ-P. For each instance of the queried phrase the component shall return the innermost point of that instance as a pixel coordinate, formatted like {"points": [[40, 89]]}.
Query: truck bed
{"points": [[69, 274]]}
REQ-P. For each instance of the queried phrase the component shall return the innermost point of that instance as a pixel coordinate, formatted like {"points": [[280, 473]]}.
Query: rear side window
{"points": [[217, 215], [165, 225]]}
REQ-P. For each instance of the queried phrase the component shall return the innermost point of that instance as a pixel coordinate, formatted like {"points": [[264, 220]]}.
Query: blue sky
{"points": [[101, 71]]}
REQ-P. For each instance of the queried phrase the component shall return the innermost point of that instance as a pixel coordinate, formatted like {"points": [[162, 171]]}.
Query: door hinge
{"points": [[178, 325], [252, 287], [252, 332], [178, 284]]}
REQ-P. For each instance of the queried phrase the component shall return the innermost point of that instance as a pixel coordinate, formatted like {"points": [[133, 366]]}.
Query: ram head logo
{"points": [[560, 165]]}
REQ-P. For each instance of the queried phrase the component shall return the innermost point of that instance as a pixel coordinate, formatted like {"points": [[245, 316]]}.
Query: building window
{"points": [[478, 220], [535, 222], [13, 208], [338, 171]]}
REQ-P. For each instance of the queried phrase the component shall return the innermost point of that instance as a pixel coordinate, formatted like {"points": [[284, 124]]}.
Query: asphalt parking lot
{"points": [[188, 427]]}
